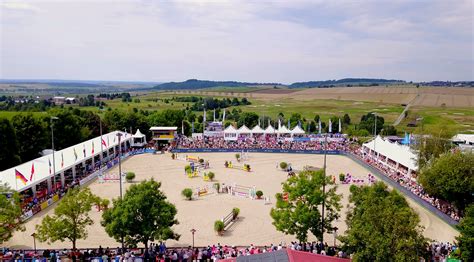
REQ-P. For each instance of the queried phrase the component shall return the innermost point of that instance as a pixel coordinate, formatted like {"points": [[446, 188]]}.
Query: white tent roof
{"points": [[163, 128], [270, 130], [66, 156], [138, 134], [257, 130], [230, 129], [401, 154], [244, 130], [283, 130], [465, 138], [297, 130]]}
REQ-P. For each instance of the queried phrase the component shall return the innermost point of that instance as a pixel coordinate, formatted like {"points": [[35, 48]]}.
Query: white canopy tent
{"points": [[64, 159], [244, 130], [270, 130], [283, 130], [401, 154], [139, 139], [230, 133], [257, 130], [297, 131]]}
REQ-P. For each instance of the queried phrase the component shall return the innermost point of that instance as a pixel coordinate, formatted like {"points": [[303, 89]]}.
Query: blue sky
{"points": [[257, 41]]}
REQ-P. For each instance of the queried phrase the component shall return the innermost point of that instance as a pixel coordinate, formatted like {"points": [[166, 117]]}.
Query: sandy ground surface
{"points": [[254, 225]]}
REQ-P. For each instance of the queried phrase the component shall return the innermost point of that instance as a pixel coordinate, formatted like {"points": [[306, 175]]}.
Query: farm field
{"points": [[254, 223]]}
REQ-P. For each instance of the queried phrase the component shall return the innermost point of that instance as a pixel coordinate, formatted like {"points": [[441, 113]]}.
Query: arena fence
{"points": [[372, 169]]}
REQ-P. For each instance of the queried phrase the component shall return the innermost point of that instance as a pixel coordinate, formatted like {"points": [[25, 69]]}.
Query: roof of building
{"points": [[244, 130], [138, 134], [285, 255], [465, 138], [163, 128], [401, 154], [257, 130], [64, 159], [297, 130], [230, 129]]}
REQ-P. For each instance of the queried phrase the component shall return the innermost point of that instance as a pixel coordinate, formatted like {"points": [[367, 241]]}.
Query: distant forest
{"points": [[201, 84], [346, 82]]}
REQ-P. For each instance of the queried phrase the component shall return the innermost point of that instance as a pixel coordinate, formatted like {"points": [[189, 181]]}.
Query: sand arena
{"points": [[254, 225]]}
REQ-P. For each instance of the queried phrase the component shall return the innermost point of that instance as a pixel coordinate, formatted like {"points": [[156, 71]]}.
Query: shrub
{"points": [[342, 177], [283, 165], [201, 160], [129, 176], [219, 227], [173, 156], [235, 212], [247, 167], [187, 169], [211, 175], [237, 156], [217, 186], [259, 194], [187, 193]]}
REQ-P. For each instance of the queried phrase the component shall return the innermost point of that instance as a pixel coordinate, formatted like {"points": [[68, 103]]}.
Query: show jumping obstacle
{"points": [[107, 177], [242, 191]]}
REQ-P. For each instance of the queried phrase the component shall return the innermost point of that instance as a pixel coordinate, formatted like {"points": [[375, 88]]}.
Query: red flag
{"points": [[32, 171], [103, 142], [92, 147]]}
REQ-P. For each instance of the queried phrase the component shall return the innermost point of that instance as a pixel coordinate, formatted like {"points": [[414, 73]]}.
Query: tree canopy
{"points": [[10, 213], [143, 215], [430, 145], [70, 219], [9, 153], [299, 215], [450, 177], [466, 238], [381, 226]]}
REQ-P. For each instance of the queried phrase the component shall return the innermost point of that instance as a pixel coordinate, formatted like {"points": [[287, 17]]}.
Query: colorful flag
{"points": [[330, 126], [84, 149], [223, 117], [92, 147], [62, 160], [49, 162], [320, 126], [340, 126], [103, 142], [75, 154], [32, 171], [21, 177]]}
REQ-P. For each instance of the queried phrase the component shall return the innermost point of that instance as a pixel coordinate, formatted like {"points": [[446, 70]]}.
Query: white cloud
{"points": [[227, 40]]}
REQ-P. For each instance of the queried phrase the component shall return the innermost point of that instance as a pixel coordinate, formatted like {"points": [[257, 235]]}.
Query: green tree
{"points": [[450, 177], [382, 226], [300, 214], [10, 212], [466, 238], [143, 215], [389, 130], [250, 119], [32, 133], [294, 119], [70, 219], [9, 153], [367, 122], [346, 119], [317, 118], [430, 145]]}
